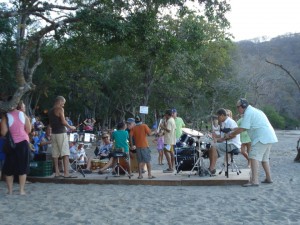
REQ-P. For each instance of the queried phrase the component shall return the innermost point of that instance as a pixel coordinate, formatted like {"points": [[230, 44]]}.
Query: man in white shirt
{"points": [[169, 128], [262, 137], [219, 147]]}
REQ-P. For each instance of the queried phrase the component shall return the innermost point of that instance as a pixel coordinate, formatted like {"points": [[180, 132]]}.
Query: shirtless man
{"points": [[60, 145]]}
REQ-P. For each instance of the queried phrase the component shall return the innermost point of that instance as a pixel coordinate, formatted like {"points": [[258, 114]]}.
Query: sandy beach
{"points": [[277, 203]]}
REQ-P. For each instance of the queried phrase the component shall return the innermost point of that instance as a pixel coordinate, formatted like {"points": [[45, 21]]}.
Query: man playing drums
{"points": [[102, 151]]}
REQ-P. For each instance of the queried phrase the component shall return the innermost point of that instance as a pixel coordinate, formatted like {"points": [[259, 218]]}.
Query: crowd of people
{"points": [[251, 133]]}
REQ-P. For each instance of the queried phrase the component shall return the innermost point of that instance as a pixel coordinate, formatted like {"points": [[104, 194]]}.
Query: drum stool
{"points": [[117, 155], [234, 167]]}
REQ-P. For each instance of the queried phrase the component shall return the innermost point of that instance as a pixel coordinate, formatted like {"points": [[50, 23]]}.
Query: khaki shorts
{"points": [[60, 145], [171, 150], [221, 148], [260, 152]]}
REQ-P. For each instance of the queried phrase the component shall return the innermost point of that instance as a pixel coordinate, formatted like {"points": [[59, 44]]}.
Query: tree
{"points": [[37, 21], [128, 33]]}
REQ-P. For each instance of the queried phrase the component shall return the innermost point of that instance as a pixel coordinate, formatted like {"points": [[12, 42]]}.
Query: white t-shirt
{"points": [[230, 123]]}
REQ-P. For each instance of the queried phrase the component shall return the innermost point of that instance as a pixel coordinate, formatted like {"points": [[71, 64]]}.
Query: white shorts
{"points": [[260, 152]]}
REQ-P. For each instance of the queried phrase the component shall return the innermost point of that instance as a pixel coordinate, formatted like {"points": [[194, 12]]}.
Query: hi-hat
{"points": [[192, 132]]}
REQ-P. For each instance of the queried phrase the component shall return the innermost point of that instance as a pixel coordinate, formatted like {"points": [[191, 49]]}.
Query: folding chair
{"points": [[78, 166]]}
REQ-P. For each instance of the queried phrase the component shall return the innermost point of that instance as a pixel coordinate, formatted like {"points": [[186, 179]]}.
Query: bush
{"points": [[275, 119], [290, 123]]}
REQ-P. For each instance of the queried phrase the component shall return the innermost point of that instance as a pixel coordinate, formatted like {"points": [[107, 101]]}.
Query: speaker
{"points": [[244, 103]]}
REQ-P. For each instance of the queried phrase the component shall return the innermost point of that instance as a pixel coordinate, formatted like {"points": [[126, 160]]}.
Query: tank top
{"points": [[55, 123], [16, 123]]}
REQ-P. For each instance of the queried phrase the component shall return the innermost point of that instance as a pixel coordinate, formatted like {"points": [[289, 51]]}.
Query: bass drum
{"points": [[185, 158]]}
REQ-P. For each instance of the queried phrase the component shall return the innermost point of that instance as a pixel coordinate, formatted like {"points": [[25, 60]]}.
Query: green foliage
{"points": [[120, 55], [275, 119], [291, 123]]}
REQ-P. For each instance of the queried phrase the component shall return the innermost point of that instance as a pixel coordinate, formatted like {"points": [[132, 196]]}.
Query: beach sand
{"points": [[276, 203]]}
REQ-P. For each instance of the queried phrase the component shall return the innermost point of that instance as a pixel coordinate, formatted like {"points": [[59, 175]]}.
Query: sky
{"points": [[257, 18]]}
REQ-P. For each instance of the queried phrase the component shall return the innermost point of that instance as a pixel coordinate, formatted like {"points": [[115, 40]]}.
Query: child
{"points": [[81, 155], [160, 146]]}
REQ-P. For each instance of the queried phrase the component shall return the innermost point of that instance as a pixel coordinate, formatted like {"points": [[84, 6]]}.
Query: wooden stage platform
{"points": [[161, 179]]}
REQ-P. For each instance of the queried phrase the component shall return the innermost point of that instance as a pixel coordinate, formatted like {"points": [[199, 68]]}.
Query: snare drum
{"points": [[95, 164]]}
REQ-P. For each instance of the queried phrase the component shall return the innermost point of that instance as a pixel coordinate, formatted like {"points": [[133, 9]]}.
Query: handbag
{"points": [[9, 143]]}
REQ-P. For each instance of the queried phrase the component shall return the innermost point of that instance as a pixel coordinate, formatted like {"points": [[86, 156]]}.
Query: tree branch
{"points": [[285, 70]]}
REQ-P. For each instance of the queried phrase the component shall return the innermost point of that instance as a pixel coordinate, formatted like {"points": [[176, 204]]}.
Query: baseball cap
{"points": [[138, 119], [174, 110], [130, 120]]}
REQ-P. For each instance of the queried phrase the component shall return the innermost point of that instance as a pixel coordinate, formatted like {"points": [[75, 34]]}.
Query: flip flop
{"points": [[250, 185], [267, 181], [151, 177], [140, 177], [70, 177], [59, 176]]}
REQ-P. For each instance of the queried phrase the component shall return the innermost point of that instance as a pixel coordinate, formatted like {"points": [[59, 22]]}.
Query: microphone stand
{"points": [[225, 131], [227, 167]]}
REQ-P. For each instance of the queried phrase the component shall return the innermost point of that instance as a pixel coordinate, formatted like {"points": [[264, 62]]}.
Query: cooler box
{"points": [[41, 168], [42, 157]]}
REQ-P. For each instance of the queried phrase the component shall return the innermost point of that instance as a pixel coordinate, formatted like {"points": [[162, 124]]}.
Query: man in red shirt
{"points": [[139, 133]]}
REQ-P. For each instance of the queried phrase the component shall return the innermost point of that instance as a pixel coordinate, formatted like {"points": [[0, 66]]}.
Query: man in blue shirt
{"points": [[262, 137]]}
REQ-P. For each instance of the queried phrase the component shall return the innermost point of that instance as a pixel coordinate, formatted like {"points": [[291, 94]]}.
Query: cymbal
{"points": [[192, 132]]}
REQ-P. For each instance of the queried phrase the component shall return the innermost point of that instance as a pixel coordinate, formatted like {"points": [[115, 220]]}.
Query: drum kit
{"points": [[190, 151]]}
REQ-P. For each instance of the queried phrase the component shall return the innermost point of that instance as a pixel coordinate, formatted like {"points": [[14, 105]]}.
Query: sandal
{"points": [[267, 181], [151, 177], [70, 177], [250, 185], [212, 172], [140, 177]]}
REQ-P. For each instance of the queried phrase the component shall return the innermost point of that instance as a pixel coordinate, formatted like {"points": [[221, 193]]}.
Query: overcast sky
{"points": [[255, 18]]}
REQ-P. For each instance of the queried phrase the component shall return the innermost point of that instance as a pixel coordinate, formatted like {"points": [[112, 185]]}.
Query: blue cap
{"points": [[174, 110], [130, 120]]}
